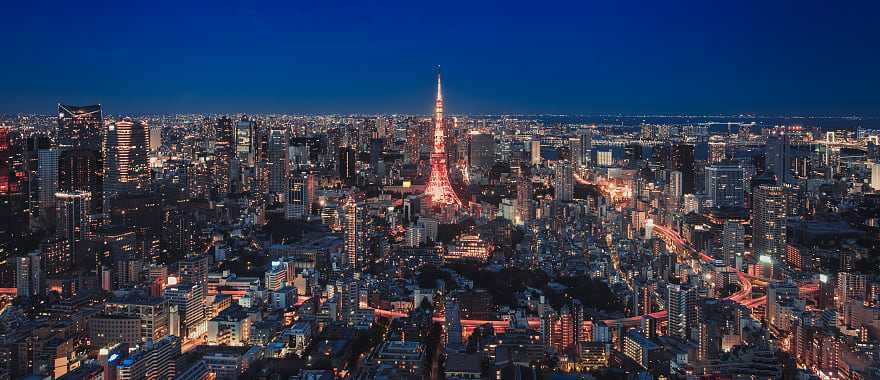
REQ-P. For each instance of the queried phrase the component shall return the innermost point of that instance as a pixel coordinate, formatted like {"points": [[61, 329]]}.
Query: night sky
{"points": [[669, 57]]}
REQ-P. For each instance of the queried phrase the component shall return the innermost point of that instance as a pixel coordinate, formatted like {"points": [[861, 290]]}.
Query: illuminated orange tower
{"points": [[439, 190]]}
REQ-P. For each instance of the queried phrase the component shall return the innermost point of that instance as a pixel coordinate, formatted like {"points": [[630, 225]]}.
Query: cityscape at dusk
{"points": [[455, 190]]}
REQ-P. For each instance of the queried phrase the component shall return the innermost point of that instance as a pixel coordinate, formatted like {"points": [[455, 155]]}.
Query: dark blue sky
{"points": [[581, 57]]}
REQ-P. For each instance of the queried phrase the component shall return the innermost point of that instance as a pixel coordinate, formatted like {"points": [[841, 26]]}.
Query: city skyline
{"points": [[582, 59], [164, 222]]}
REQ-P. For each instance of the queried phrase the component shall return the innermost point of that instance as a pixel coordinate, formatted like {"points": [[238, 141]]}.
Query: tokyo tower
{"points": [[439, 189]]}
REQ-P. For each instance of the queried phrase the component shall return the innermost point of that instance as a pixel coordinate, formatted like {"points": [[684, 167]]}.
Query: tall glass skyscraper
{"points": [[80, 126], [126, 164], [724, 185], [768, 221]]}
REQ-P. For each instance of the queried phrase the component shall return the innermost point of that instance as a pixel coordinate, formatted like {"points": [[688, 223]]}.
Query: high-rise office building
{"points": [[576, 149], [717, 149], [347, 165], [224, 153], [681, 309], [376, 148], [6, 183], [73, 219], [126, 160], [412, 147], [875, 176], [482, 151], [277, 163], [683, 161], [586, 136], [732, 242], [302, 195], [244, 141], [768, 221], [80, 170], [675, 187], [535, 152], [48, 176], [155, 138], [778, 158], [354, 234], [30, 274], [563, 181], [724, 185], [80, 127], [524, 200]]}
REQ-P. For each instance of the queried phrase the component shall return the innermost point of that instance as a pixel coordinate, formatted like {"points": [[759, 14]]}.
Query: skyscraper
{"points": [[779, 156], [675, 187], [768, 221], [31, 169], [683, 161], [301, 197], [481, 153], [875, 176], [224, 152], [563, 181], [586, 136], [376, 148], [412, 146], [535, 152], [347, 165], [576, 149], [48, 176], [717, 149], [155, 138], [125, 165], [523, 200], [439, 190], [732, 242], [5, 183], [724, 185], [354, 234], [277, 163], [681, 309], [25, 269], [23, 284], [73, 219], [79, 170], [80, 127], [244, 142]]}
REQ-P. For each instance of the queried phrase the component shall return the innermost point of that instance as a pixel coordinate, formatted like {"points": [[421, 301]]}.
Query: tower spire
{"points": [[439, 87], [439, 190]]}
